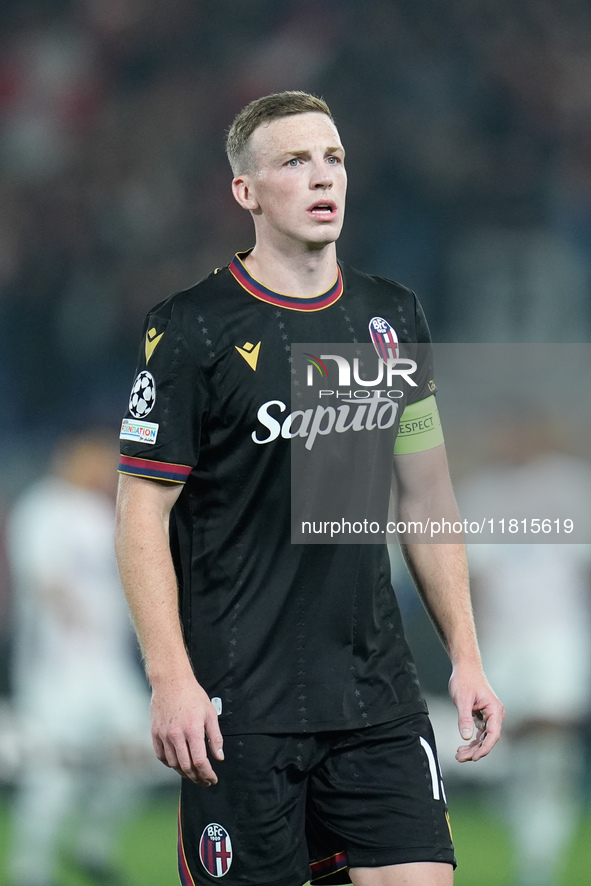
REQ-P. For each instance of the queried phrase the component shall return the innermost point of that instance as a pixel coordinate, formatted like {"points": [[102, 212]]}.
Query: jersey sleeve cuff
{"points": [[420, 428], [153, 470]]}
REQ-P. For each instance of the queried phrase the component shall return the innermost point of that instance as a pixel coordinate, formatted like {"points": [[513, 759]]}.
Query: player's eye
{"points": [[333, 160], [294, 161]]}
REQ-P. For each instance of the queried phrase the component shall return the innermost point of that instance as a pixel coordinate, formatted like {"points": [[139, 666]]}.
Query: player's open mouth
{"points": [[323, 209]]}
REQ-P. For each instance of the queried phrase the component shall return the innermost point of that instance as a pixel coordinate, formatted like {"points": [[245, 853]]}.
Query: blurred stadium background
{"points": [[468, 130]]}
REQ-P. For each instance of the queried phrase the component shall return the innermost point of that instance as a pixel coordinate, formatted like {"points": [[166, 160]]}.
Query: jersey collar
{"points": [[291, 302]]}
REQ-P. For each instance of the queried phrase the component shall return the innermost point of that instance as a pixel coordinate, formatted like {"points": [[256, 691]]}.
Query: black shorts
{"points": [[288, 808]]}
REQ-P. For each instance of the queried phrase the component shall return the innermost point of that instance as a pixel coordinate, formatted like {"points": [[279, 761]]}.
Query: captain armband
{"points": [[420, 427]]}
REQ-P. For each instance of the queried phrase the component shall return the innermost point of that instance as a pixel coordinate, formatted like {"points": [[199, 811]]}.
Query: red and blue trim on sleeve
{"points": [[291, 302], [153, 470]]}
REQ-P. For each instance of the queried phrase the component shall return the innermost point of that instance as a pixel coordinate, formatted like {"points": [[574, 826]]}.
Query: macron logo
{"points": [[250, 353]]}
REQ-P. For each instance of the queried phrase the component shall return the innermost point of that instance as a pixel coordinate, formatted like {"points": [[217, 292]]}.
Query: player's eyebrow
{"points": [[338, 149]]}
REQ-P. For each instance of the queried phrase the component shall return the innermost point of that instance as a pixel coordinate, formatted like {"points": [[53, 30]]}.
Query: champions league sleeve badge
{"points": [[143, 395], [384, 339], [215, 850]]}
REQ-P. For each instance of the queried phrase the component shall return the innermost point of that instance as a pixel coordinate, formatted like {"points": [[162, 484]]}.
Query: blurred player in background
{"points": [[298, 649], [533, 613], [79, 696]]}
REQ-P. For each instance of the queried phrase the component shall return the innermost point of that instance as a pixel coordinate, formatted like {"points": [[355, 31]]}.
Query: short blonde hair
{"points": [[263, 110]]}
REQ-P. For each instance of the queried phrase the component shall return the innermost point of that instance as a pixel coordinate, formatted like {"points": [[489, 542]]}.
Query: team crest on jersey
{"points": [[384, 338], [143, 395], [215, 850]]}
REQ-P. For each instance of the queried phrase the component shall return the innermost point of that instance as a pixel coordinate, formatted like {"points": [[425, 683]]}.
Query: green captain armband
{"points": [[420, 428]]}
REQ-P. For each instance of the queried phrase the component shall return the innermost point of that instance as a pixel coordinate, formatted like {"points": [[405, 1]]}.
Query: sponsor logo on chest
{"points": [[365, 391]]}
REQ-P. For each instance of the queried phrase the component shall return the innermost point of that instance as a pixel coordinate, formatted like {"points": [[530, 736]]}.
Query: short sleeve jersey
{"points": [[288, 637]]}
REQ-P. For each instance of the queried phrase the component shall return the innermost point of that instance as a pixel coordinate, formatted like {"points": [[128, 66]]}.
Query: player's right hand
{"points": [[184, 723]]}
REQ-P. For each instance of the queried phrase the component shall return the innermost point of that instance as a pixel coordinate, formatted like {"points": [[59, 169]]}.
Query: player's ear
{"points": [[244, 193]]}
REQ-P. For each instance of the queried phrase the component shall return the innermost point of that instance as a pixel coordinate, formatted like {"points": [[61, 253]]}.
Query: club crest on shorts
{"points": [[215, 850], [384, 338]]}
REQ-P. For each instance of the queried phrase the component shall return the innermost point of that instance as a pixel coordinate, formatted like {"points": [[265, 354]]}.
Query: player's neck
{"points": [[303, 273]]}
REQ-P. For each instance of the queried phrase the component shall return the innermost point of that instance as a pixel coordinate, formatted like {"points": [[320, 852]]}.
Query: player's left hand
{"points": [[478, 708]]}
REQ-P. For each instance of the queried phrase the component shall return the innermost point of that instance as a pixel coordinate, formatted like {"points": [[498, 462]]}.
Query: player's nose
{"points": [[321, 175]]}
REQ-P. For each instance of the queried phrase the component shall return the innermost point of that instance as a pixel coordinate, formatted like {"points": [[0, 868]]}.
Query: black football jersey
{"points": [[284, 637]]}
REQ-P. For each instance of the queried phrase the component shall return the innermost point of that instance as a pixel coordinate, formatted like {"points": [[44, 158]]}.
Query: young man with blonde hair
{"points": [[288, 661]]}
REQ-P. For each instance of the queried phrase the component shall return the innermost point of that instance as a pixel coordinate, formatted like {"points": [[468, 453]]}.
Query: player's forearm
{"points": [[149, 580], [439, 570], [440, 573]]}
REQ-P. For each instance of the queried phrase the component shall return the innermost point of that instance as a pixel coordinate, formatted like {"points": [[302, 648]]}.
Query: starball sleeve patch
{"points": [[143, 395]]}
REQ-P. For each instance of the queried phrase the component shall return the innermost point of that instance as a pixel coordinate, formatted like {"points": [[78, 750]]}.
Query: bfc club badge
{"points": [[215, 850], [384, 338]]}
